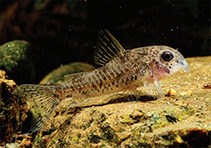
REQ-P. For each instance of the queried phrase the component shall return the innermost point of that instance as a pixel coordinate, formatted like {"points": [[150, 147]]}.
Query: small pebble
{"points": [[2, 74], [171, 92], [207, 85]]}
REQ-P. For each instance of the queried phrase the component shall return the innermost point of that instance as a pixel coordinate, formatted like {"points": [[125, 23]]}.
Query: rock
{"points": [[180, 120], [12, 110], [57, 76], [16, 60]]}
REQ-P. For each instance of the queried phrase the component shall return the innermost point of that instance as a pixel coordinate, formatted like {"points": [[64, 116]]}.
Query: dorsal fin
{"points": [[107, 48]]}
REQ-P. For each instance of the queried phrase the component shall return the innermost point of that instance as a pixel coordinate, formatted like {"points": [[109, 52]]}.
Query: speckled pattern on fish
{"points": [[121, 70]]}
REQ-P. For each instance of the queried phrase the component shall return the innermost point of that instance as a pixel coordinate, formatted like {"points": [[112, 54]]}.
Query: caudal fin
{"points": [[42, 100]]}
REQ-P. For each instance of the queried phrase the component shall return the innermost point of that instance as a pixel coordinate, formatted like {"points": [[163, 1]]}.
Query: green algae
{"points": [[39, 143], [75, 138], [93, 138], [87, 125], [14, 53], [16, 60], [132, 118], [108, 134]]}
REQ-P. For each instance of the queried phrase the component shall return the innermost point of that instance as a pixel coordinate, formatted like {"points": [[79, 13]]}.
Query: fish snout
{"points": [[182, 64]]}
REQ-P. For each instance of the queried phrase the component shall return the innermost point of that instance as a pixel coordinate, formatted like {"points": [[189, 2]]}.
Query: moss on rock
{"points": [[16, 60]]}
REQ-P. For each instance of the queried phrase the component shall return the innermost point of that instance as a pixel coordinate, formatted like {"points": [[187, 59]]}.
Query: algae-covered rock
{"points": [[16, 60], [12, 110], [179, 120], [57, 76]]}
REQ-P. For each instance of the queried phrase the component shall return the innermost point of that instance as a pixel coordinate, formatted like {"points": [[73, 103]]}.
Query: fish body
{"points": [[121, 70], [124, 72]]}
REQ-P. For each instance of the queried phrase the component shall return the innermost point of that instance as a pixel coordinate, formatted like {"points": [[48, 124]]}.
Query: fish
{"points": [[120, 70]]}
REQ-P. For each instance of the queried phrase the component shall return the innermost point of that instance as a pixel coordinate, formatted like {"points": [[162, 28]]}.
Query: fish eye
{"points": [[167, 56]]}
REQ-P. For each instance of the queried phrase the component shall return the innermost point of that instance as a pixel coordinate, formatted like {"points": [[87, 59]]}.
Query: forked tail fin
{"points": [[42, 99]]}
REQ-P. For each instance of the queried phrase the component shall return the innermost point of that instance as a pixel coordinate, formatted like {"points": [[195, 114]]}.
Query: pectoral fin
{"points": [[152, 89]]}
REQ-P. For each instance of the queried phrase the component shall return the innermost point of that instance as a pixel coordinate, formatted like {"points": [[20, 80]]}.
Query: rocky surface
{"points": [[182, 118], [12, 110]]}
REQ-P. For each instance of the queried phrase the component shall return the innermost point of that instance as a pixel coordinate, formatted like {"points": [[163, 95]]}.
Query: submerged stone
{"points": [[16, 60]]}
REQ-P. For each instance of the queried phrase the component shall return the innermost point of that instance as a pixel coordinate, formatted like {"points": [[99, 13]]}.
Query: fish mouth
{"points": [[182, 65], [185, 67]]}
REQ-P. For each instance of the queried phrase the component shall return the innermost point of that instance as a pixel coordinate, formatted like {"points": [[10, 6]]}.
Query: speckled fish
{"points": [[121, 70]]}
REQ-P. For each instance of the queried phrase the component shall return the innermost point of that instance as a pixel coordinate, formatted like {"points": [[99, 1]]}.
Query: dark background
{"points": [[66, 31]]}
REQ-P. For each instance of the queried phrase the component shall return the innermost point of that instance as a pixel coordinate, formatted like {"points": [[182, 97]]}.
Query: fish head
{"points": [[165, 61]]}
